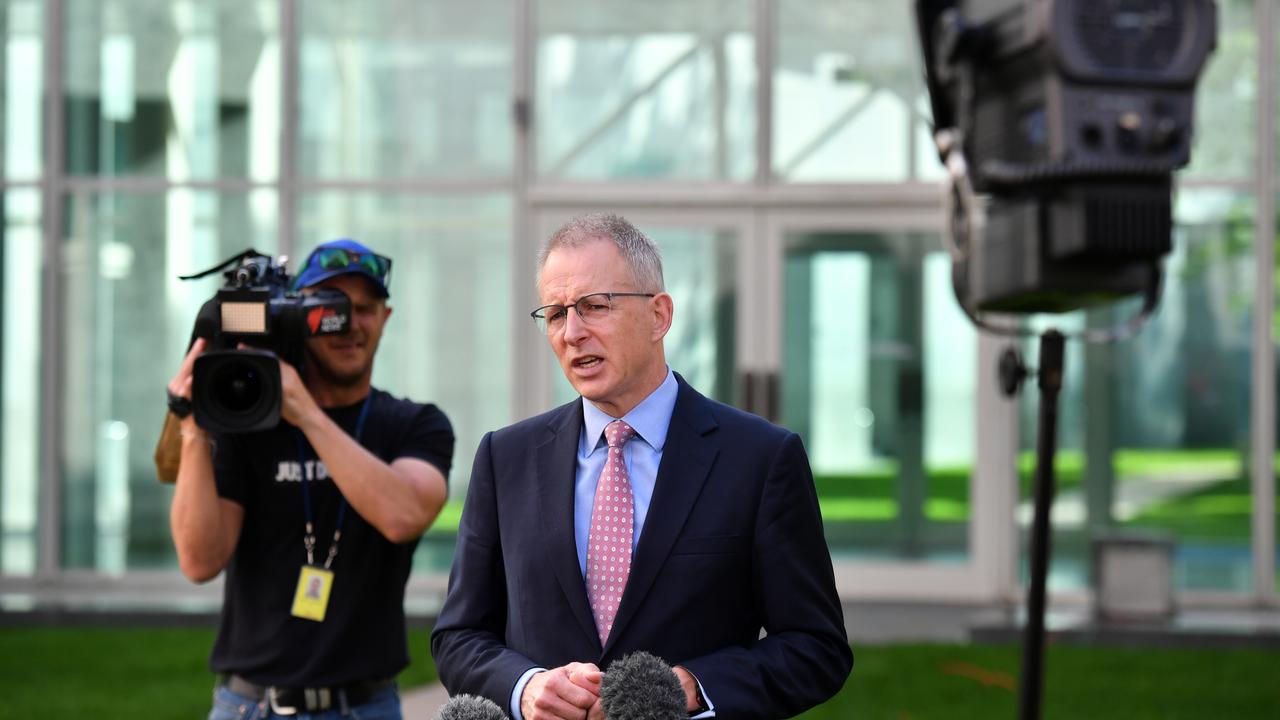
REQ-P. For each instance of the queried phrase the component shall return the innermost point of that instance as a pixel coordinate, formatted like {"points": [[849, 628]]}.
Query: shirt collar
{"points": [[650, 419]]}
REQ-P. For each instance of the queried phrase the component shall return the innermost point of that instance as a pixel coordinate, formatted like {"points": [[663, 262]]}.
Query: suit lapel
{"points": [[686, 462], [557, 468]]}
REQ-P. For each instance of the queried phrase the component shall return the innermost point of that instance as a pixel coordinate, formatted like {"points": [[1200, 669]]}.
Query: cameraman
{"points": [[316, 520]]}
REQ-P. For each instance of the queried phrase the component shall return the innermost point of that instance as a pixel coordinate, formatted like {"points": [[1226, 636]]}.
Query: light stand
{"points": [[1012, 372], [966, 218]]}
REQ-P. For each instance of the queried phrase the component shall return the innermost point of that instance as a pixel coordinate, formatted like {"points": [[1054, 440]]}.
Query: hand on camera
{"points": [[296, 403], [180, 385]]}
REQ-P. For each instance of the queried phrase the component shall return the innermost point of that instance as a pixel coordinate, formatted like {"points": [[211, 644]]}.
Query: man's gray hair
{"points": [[638, 251]]}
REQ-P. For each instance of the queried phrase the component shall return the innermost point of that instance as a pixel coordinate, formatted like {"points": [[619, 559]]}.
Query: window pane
{"points": [[849, 102], [183, 91], [405, 88], [1154, 431], [698, 267], [1227, 97], [878, 378], [661, 89], [125, 330], [20, 263], [449, 339], [21, 87]]}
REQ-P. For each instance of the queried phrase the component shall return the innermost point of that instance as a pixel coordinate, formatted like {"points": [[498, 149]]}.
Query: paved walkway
{"points": [[422, 703], [1133, 494]]}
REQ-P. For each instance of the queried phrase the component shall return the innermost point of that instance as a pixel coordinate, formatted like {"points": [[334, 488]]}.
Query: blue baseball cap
{"points": [[339, 257]]}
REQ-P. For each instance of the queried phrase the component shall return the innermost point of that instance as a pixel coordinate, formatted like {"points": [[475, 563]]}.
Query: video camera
{"points": [[1061, 123], [237, 389]]}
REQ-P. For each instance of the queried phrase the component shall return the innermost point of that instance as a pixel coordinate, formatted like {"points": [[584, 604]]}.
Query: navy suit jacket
{"points": [[732, 546]]}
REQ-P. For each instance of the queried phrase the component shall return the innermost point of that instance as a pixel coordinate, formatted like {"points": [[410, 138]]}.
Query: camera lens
{"points": [[236, 390], [237, 387]]}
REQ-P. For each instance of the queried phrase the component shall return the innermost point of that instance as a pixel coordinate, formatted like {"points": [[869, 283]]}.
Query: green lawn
{"points": [[161, 673], [861, 515], [903, 682], [1220, 511], [125, 673]]}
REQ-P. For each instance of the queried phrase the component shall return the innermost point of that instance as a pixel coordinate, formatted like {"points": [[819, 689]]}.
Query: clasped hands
{"points": [[572, 692]]}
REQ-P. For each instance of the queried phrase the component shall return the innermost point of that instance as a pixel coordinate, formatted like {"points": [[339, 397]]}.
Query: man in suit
{"points": [[642, 516]]}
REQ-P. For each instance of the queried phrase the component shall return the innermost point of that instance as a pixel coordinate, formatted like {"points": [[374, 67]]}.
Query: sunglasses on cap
{"points": [[379, 266]]}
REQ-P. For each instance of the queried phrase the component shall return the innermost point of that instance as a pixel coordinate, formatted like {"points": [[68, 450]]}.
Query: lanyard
{"points": [[309, 537]]}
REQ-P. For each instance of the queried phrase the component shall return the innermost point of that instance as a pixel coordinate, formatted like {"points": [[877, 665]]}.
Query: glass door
{"points": [[878, 377], [879, 372]]}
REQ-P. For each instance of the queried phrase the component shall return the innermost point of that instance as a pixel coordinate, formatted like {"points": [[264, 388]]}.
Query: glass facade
{"points": [[179, 133], [20, 380], [850, 103], [21, 262], [1154, 430], [660, 89], [1226, 128], [22, 71], [126, 324], [405, 89], [878, 372], [184, 91]]}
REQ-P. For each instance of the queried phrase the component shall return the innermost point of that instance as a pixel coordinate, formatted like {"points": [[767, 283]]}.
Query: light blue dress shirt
{"points": [[642, 455]]}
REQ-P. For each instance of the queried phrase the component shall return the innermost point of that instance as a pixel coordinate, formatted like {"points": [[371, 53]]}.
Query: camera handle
{"points": [[235, 260]]}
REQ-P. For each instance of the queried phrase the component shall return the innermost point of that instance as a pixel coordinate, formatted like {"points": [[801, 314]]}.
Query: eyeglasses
{"points": [[378, 266], [591, 309]]}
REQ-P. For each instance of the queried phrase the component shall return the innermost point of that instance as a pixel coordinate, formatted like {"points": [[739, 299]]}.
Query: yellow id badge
{"points": [[312, 596]]}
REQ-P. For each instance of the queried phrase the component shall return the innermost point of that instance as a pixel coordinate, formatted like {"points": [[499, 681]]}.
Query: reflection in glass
{"points": [[184, 91], [1227, 97], [126, 325], [878, 373], [849, 100], [649, 90], [1154, 431], [20, 264], [21, 87], [451, 253], [405, 88], [698, 269]]}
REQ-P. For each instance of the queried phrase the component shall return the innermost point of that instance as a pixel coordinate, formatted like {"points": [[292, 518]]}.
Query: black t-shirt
{"points": [[363, 634]]}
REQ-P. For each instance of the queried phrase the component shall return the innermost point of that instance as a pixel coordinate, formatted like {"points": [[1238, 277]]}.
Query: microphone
{"points": [[640, 686], [470, 707]]}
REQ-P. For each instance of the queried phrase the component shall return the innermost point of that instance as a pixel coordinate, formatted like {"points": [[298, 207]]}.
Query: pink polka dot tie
{"points": [[609, 543]]}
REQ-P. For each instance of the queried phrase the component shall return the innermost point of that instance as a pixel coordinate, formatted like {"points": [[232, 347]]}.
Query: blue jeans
{"points": [[230, 706]]}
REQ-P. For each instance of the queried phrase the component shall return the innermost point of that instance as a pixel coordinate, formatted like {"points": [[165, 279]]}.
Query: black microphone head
{"points": [[640, 686], [470, 707]]}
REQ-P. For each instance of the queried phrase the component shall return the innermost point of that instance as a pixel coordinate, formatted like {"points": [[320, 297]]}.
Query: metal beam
{"points": [[621, 111], [49, 513], [828, 131], [1263, 408], [286, 173]]}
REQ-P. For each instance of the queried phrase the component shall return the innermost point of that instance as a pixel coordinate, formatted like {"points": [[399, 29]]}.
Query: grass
{"points": [[162, 673], [126, 672], [903, 682], [1220, 511]]}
